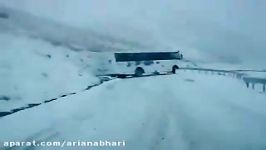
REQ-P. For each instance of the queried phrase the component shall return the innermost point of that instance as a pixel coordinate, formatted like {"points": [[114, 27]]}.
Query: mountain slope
{"points": [[32, 70]]}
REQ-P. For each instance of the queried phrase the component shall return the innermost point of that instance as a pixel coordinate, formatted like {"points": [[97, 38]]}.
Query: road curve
{"points": [[186, 111]]}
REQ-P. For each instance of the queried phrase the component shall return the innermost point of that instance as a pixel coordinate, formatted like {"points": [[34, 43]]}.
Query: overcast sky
{"points": [[228, 30]]}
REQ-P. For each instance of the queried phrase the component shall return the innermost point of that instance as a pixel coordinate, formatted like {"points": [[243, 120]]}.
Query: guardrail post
{"points": [[263, 87], [253, 85], [247, 84]]}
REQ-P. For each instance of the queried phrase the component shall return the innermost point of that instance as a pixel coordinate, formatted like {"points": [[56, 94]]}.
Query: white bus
{"points": [[122, 64]]}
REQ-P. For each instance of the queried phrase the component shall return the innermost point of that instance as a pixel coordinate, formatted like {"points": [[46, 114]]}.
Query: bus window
{"points": [[122, 57], [148, 62]]}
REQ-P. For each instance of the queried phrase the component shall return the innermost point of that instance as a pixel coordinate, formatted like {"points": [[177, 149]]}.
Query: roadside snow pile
{"points": [[32, 71], [187, 111]]}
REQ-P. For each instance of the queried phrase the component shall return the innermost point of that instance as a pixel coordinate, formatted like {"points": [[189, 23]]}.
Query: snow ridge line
{"points": [[28, 106]]}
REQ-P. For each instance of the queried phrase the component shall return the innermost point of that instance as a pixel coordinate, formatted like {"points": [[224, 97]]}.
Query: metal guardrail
{"points": [[253, 81], [234, 73]]}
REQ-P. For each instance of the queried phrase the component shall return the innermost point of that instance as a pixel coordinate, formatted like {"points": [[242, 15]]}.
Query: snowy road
{"points": [[187, 111]]}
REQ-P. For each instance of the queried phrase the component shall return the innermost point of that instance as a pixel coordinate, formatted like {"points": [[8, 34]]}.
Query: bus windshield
{"points": [[120, 57]]}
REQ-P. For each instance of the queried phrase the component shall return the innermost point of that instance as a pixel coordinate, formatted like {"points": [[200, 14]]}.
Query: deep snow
{"points": [[183, 111]]}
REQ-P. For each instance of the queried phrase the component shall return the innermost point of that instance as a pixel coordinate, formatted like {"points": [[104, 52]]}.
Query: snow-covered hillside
{"points": [[32, 70], [187, 111], [225, 31], [58, 34]]}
